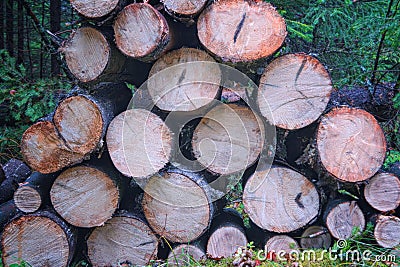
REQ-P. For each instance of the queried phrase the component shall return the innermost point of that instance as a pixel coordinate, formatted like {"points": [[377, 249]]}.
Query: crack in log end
{"points": [[297, 199], [182, 77], [239, 27], [300, 70]]}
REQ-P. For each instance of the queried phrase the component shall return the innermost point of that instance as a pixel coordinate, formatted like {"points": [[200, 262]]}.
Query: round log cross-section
{"points": [[87, 53], [84, 196], [39, 240], [44, 150], [228, 139], [184, 254], [383, 192], [225, 240], [141, 31], [280, 200], [351, 144], [93, 8], [184, 9], [27, 199], [123, 239], [241, 31], [139, 143], [79, 121], [316, 237], [342, 218], [281, 245], [186, 87], [177, 206], [387, 231], [294, 91]]}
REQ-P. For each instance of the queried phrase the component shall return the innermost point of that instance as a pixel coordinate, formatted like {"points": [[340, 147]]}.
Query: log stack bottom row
{"points": [[109, 181]]}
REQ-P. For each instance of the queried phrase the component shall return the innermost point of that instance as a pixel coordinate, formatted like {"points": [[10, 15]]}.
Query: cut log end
{"points": [[94, 8], [383, 192], [80, 123], [44, 150], [351, 144], [27, 199], [140, 31], [317, 237], [184, 8], [280, 244], [228, 139], [294, 91], [184, 254], [241, 31], [342, 219], [187, 87], [176, 207], [280, 200], [225, 241], [387, 231], [38, 240], [87, 53], [84, 196], [123, 239], [139, 143]]}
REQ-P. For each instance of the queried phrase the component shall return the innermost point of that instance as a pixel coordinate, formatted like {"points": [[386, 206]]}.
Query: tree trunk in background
{"points": [[20, 27], [55, 19], [9, 27], [41, 44], [1, 24]]}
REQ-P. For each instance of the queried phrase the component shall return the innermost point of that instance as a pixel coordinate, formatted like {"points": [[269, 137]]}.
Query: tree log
{"points": [[317, 237], [387, 231], [44, 150], [227, 235], [241, 31], [94, 9], [15, 172], [84, 196], [123, 239], [187, 87], [139, 143], [228, 139], [280, 200], [34, 192], [351, 144], [90, 56], [177, 205], [40, 239], [141, 32], [282, 245], [48, 148], [294, 91], [186, 254], [383, 192], [184, 10], [341, 218]]}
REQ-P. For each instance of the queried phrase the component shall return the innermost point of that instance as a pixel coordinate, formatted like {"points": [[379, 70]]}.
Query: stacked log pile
{"points": [[108, 177]]}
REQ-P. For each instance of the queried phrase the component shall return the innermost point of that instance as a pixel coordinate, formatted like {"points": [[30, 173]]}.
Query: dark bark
{"points": [[10, 27], [7, 211], [55, 19], [15, 172]]}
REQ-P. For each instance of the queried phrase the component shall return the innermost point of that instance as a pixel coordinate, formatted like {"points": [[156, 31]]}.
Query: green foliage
{"points": [[10, 137], [345, 36], [25, 100], [392, 156]]}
